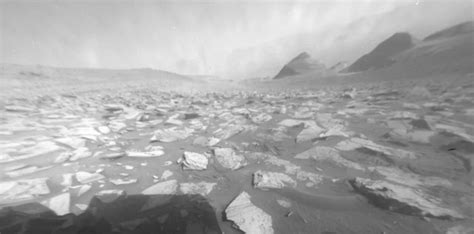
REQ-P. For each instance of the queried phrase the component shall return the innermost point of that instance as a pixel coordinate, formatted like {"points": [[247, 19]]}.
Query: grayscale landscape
{"points": [[378, 141]]}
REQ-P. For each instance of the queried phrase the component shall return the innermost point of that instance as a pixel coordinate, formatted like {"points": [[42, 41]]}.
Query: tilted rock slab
{"points": [[247, 217], [403, 199]]}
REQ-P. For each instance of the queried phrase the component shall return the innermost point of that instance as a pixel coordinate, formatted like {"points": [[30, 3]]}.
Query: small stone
{"points": [[194, 161]]}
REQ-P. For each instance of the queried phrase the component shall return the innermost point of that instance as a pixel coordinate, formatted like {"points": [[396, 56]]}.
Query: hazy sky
{"points": [[235, 39]]}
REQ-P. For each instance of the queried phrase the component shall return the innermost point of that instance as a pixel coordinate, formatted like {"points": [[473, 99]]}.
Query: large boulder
{"points": [[403, 199], [247, 217]]}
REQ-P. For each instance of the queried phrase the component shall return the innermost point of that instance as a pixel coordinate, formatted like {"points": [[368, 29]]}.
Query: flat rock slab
{"points": [[86, 177], [356, 143], [247, 217], [162, 188], [22, 190], [272, 180], [403, 199], [324, 153], [229, 159], [202, 188]]}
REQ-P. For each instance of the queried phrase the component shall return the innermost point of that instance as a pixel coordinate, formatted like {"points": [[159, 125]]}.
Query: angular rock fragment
{"points": [[309, 133], [123, 181], [166, 174], [145, 154], [202, 188], [162, 188], [60, 204], [324, 153], [110, 195], [171, 134], [22, 190], [80, 153], [355, 143], [194, 161], [247, 217], [86, 177], [229, 159], [403, 199], [271, 180]]}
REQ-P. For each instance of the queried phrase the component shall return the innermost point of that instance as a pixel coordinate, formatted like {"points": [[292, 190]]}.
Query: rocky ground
{"points": [[376, 159]]}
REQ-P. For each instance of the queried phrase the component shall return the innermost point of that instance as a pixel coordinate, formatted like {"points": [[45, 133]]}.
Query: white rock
{"points": [[81, 206], [80, 153], [110, 195], [323, 153], [104, 129], [83, 189], [22, 190], [271, 180], [202, 188], [247, 217], [194, 161], [166, 174], [284, 203], [228, 159], [145, 154], [166, 187], [59, 204], [122, 181], [309, 133], [355, 143], [404, 199], [86, 177], [73, 142]]}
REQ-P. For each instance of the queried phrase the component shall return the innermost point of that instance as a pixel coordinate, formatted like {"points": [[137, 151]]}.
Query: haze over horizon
{"points": [[236, 39]]}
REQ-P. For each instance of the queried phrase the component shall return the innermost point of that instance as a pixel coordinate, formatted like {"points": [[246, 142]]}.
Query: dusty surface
{"points": [[382, 158]]}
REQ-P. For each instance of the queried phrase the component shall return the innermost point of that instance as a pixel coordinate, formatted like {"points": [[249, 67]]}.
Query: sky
{"points": [[227, 38]]}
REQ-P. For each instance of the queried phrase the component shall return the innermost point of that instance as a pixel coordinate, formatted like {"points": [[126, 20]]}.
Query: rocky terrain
{"points": [[377, 159]]}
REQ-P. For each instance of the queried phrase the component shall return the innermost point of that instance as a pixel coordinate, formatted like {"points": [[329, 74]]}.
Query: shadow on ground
{"points": [[125, 214]]}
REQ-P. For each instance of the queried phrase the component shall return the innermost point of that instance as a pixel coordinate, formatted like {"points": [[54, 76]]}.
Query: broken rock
{"points": [[194, 161], [403, 199], [229, 159], [271, 180], [247, 217]]}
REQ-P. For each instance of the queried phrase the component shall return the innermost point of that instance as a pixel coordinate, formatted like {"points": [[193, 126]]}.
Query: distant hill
{"points": [[301, 64], [381, 56], [458, 29]]}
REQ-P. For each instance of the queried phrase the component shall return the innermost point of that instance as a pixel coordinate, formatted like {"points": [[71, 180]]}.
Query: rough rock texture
{"points": [[202, 188], [59, 204], [21, 190], [247, 217], [194, 161], [166, 187], [229, 159], [271, 180], [403, 199], [323, 153]]}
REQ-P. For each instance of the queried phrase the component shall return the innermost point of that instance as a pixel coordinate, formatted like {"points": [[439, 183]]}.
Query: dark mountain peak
{"points": [[303, 63], [381, 56], [458, 29], [301, 56]]}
